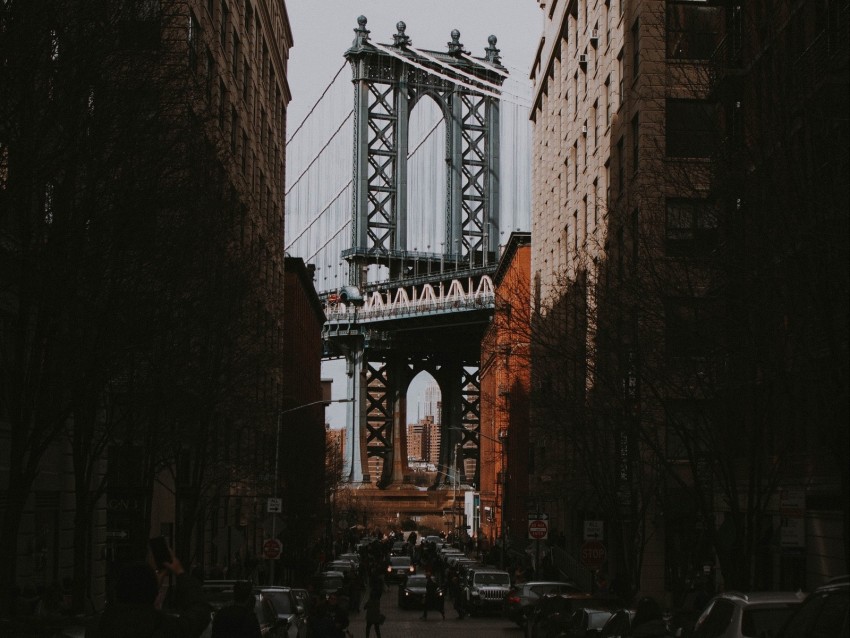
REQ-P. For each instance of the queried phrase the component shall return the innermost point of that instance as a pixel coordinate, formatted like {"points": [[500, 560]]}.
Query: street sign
{"points": [[593, 530], [275, 505], [272, 548], [538, 516], [117, 533], [538, 529], [593, 554]]}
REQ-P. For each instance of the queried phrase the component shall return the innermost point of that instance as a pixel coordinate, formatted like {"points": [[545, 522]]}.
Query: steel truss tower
{"points": [[430, 311]]}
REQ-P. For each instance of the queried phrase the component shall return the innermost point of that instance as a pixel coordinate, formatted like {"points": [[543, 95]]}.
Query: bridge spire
{"points": [[361, 36]]}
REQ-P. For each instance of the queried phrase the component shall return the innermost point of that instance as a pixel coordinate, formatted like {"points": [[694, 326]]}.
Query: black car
{"points": [[411, 593], [398, 569], [554, 612], [824, 613], [522, 597], [280, 613]]}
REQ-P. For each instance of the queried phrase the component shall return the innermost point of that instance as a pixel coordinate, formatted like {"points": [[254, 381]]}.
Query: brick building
{"points": [[661, 284]]}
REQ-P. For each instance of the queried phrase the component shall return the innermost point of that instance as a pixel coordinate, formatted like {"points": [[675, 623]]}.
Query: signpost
{"points": [[272, 548], [538, 529], [593, 530], [593, 555]]}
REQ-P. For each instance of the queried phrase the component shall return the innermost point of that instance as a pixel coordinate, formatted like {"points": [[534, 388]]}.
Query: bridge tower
{"points": [[429, 309]]}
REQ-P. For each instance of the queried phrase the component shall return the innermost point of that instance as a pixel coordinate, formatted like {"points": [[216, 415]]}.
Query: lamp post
{"points": [[277, 460], [501, 479]]}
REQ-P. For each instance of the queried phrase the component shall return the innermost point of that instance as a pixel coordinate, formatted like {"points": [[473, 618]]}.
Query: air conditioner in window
{"points": [[594, 37], [582, 59], [584, 129]]}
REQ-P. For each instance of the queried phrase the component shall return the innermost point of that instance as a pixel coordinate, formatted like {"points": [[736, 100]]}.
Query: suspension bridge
{"points": [[404, 179]]}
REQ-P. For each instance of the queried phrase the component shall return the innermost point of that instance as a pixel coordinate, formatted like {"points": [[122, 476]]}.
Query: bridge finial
{"points": [[455, 47], [491, 52], [401, 40], [361, 36]]}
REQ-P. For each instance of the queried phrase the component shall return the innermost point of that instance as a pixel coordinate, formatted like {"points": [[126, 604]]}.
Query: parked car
{"points": [[521, 598], [279, 613], [618, 625], [586, 623], [553, 611], [483, 590], [823, 614], [399, 568], [736, 614], [412, 592], [325, 583], [341, 565]]}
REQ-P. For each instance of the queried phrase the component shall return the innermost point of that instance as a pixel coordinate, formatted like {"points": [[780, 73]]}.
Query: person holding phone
{"points": [[132, 612]]}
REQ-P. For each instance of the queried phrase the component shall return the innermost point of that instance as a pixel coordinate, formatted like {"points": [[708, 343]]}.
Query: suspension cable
{"points": [[321, 150], [316, 103], [318, 215]]}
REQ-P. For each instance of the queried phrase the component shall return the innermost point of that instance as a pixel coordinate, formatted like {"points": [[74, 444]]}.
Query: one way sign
{"points": [[593, 530]]}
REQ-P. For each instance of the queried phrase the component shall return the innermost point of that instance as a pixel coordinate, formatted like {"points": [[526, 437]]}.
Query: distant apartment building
{"points": [[662, 281]]}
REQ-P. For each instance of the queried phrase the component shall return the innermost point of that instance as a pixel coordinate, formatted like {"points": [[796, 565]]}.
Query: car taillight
{"points": [[513, 600]]}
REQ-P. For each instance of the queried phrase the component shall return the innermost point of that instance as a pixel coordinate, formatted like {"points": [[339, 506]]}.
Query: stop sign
{"points": [[272, 548], [593, 554], [538, 529]]}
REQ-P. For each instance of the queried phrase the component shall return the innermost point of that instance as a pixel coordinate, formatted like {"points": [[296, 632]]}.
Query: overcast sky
{"points": [[324, 29]]}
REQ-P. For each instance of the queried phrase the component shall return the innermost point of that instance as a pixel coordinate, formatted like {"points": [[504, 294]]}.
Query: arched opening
{"points": [[426, 182], [424, 403]]}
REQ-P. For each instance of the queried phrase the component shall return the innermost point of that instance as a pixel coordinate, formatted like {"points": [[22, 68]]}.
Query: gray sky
{"points": [[324, 29]]}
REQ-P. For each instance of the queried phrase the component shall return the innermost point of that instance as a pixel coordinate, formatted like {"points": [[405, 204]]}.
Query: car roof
{"points": [[764, 597]]}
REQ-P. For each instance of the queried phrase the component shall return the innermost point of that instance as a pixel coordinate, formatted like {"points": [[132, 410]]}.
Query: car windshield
{"points": [[280, 601], [757, 622], [415, 581], [330, 583], [400, 561], [493, 579]]}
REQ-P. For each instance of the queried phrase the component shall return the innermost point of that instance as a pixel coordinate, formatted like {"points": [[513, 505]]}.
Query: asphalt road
{"points": [[407, 623]]}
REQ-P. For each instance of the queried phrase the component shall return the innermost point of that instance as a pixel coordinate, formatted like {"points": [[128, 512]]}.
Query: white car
{"points": [[738, 615]]}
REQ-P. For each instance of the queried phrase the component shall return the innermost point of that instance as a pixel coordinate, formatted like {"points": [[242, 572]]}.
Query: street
{"points": [[408, 623]]}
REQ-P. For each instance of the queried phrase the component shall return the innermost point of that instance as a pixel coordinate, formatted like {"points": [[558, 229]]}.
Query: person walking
{"points": [[431, 598], [374, 617], [133, 613], [238, 620]]}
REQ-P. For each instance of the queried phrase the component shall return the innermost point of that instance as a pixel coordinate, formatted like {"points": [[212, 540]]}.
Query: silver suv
{"points": [[735, 614], [484, 590]]}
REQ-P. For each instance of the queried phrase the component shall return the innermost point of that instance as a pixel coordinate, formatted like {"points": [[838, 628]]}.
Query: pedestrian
{"points": [[238, 619], [337, 611], [432, 598], [132, 612], [374, 617], [648, 621]]}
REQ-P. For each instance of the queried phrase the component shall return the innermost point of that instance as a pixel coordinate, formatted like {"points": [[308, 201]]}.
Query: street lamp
{"points": [[502, 480], [277, 457]]}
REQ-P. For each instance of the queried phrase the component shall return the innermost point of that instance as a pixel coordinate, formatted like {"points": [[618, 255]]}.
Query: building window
{"points": [[225, 18], [608, 101], [236, 53], [193, 38], [635, 142], [689, 128], [692, 30], [690, 228], [620, 79], [621, 168], [636, 48]]}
